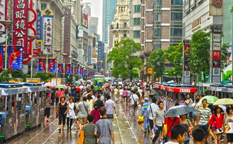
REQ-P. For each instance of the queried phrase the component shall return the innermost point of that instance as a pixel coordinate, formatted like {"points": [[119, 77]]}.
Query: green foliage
{"points": [[231, 9], [224, 56], [6, 75], [200, 53], [44, 76], [174, 55], [124, 63], [156, 59], [69, 78]]}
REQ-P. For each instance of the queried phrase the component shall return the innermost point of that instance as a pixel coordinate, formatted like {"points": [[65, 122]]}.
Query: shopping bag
{"points": [[81, 137], [165, 129], [140, 119]]}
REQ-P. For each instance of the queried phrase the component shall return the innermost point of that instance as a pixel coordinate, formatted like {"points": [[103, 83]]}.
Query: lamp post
{"points": [[32, 37], [57, 51], [6, 23], [47, 57]]}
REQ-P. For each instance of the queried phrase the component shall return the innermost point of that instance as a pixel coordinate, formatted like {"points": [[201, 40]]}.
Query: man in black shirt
{"points": [[99, 102]]}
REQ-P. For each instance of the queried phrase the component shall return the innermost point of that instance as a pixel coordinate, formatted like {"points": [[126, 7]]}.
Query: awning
{"points": [[182, 90]]}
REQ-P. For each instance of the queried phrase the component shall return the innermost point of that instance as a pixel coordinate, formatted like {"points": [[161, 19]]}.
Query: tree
{"points": [[224, 56], [174, 55], [199, 60], [44, 76], [124, 63], [156, 59]]}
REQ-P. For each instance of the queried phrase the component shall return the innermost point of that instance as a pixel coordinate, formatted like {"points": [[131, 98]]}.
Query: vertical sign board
{"points": [[48, 32], [52, 65], [100, 55], [3, 17], [215, 53], [15, 57], [1, 57], [67, 27], [41, 65], [60, 68], [39, 29], [89, 54], [20, 18], [186, 68]]}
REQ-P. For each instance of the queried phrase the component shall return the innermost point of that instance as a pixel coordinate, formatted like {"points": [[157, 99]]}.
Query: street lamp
{"points": [[47, 61], [32, 37], [57, 51], [6, 23]]}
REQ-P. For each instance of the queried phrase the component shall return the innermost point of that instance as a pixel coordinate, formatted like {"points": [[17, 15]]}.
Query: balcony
{"points": [[119, 27]]}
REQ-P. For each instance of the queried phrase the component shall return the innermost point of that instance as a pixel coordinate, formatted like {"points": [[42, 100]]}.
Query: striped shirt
{"points": [[204, 116]]}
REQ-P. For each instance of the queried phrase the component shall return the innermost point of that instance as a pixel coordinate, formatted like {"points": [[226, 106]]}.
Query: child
{"points": [[144, 111]]}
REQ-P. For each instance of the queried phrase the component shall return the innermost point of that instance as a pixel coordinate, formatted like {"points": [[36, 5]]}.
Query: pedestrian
{"points": [[116, 94], [110, 107], [57, 95], [151, 112], [134, 101], [203, 117], [76, 104], [229, 119], [144, 111], [71, 114], [121, 94], [53, 97], [96, 113], [158, 121], [217, 121], [62, 109], [198, 136], [188, 125], [89, 130], [82, 110], [48, 102], [92, 93], [124, 95], [170, 122], [99, 102], [104, 128], [90, 101], [177, 134]]}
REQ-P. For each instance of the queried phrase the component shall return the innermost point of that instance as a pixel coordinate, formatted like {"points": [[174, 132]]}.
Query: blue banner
{"points": [[39, 25], [81, 71], [60, 68], [15, 57], [100, 55], [41, 65], [52, 66], [76, 71], [1, 57], [89, 55], [68, 69]]}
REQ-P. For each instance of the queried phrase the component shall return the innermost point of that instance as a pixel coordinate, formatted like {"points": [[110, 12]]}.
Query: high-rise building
{"points": [[227, 22], [93, 25], [109, 7]]}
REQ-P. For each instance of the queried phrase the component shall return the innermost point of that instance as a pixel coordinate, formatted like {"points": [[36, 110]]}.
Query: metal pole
{"points": [[31, 62], [6, 48]]}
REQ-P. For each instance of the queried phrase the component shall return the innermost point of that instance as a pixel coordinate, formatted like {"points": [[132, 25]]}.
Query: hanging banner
{"points": [[60, 68], [85, 72], [15, 57], [81, 71], [76, 71], [68, 69], [1, 57], [3, 17], [52, 66], [20, 26], [41, 65], [48, 32], [39, 28]]}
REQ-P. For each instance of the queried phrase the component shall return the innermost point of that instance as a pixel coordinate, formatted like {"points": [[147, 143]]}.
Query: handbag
{"points": [[217, 131], [81, 137], [140, 119]]}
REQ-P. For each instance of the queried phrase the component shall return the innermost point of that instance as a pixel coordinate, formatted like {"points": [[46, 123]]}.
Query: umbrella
{"points": [[77, 82], [49, 84], [106, 84], [210, 99], [223, 108], [88, 81], [178, 111], [225, 101], [226, 82], [61, 86]]}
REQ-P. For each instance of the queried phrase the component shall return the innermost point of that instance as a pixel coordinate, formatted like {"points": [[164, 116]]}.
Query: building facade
{"points": [[120, 24], [93, 25], [227, 22], [109, 7]]}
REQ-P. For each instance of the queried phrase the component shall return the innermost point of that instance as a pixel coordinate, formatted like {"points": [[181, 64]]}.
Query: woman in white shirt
{"points": [[70, 114]]}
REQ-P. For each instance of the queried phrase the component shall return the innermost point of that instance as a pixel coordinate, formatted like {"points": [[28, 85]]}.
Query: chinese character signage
{"points": [[100, 55], [186, 68], [3, 17], [68, 69], [39, 28], [89, 54], [67, 27], [15, 57], [52, 65], [85, 20], [48, 32], [1, 57], [41, 65], [76, 70], [60, 68], [20, 17]]}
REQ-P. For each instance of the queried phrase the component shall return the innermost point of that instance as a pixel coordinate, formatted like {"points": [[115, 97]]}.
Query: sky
{"points": [[96, 11]]}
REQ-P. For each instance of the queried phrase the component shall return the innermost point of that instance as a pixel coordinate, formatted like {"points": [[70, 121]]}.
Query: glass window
{"points": [[43, 6], [136, 21], [125, 35], [2, 104], [137, 8], [136, 34], [157, 17], [176, 32], [157, 2], [157, 32], [176, 2], [176, 16]]}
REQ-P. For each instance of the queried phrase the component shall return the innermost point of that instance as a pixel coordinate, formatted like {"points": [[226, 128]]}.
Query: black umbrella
{"points": [[178, 111]]}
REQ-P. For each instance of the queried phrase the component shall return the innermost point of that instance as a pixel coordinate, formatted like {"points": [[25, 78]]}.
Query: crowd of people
{"points": [[93, 107]]}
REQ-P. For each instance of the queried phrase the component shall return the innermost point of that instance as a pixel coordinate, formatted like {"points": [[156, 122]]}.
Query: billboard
{"points": [[1, 57], [41, 65], [89, 55], [3, 11], [100, 55], [85, 20], [39, 24], [52, 65], [15, 57], [48, 32], [60, 68], [68, 69], [67, 27]]}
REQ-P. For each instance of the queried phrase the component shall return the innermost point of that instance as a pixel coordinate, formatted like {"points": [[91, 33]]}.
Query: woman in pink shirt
{"points": [[125, 94], [96, 113], [62, 93]]}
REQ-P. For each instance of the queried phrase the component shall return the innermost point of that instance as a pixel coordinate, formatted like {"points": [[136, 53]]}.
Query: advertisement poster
{"points": [[229, 128], [52, 65], [81, 71], [68, 69], [41, 65], [39, 29], [1, 57], [60, 68], [76, 71], [15, 57]]}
